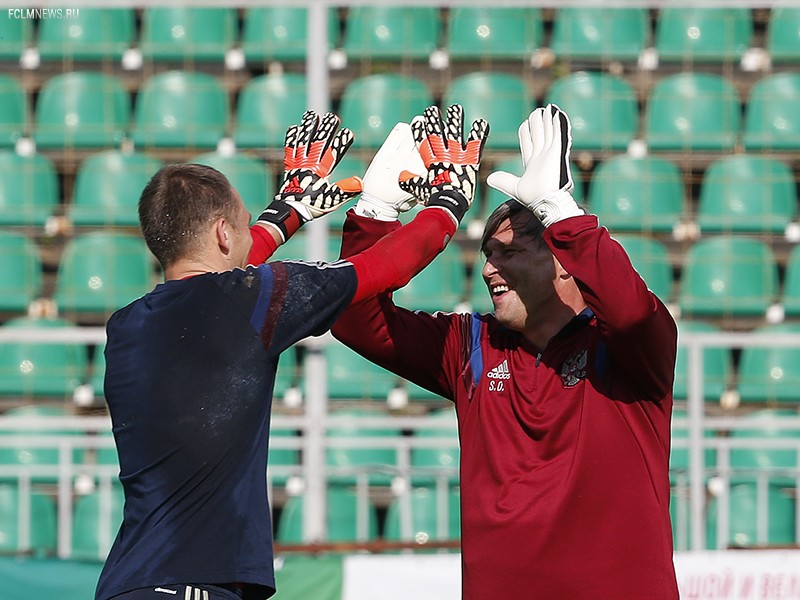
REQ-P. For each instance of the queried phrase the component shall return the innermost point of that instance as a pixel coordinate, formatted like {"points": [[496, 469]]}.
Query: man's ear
{"points": [[222, 236]]}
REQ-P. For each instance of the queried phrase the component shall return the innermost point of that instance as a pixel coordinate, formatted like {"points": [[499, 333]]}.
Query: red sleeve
{"points": [[428, 350], [264, 243], [641, 333], [394, 259]]}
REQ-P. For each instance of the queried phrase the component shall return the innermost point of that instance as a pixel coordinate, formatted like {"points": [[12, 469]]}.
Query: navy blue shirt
{"points": [[190, 369]]}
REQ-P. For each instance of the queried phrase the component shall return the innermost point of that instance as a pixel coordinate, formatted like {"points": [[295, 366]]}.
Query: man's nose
{"points": [[489, 268]]}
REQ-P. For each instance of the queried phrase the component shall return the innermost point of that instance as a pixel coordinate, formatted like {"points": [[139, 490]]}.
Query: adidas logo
{"points": [[500, 371]]}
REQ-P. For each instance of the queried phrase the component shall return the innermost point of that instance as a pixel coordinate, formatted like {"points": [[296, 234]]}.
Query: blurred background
{"points": [[686, 128]]}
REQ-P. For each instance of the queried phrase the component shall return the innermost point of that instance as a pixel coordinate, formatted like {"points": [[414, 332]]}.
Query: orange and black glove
{"points": [[312, 150], [452, 165]]}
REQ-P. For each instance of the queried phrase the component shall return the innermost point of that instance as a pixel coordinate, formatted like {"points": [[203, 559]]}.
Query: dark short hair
{"points": [[177, 202], [531, 226]]}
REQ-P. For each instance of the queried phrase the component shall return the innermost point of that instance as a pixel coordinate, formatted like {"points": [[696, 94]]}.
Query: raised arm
{"points": [[312, 150], [640, 332], [410, 344]]}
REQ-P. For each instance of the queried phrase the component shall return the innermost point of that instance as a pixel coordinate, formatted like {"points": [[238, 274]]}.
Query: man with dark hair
{"points": [[190, 367], [563, 394]]}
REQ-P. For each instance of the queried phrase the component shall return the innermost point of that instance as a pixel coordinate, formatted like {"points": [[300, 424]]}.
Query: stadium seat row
{"points": [[687, 111], [759, 474], [280, 33], [742, 193], [720, 275], [102, 270], [30, 370]]}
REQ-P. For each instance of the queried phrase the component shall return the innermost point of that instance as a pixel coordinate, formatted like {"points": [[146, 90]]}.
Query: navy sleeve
{"points": [[298, 299]]}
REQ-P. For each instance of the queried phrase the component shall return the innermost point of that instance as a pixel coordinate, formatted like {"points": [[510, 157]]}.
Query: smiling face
{"points": [[520, 273]]}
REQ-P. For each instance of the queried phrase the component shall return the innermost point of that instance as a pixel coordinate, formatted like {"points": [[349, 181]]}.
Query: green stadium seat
{"points": [[288, 374], [281, 457], [693, 111], [747, 193], [416, 392], [650, 258], [478, 33], [95, 34], [248, 175], [97, 370], [717, 365], [379, 463], [29, 191], [391, 32], [728, 276], [40, 369], [602, 108], [280, 33], [439, 424], [41, 523], [37, 459], [350, 376], [432, 518], [348, 519], [17, 35], [107, 188], [103, 271], [637, 194], [20, 272], [744, 509], [83, 110], [180, 109], [600, 33], [96, 520], [783, 34], [777, 462], [772, 114], [13, 111], [105, 456], [501, 98], [187, 33], [297, 248], [440, 286], [791, 284], [373, 104], [770, 375], [267, 106], [679, 457], [689, 34]]}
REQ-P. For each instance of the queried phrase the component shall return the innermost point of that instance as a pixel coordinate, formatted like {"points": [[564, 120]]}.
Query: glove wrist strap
{"points": [[556, 206], [374, 208], [453, 201], [283, 217]]}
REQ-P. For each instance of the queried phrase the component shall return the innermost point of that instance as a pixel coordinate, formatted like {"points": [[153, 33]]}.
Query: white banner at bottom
{"points": [[739, 575], [733, 575]]}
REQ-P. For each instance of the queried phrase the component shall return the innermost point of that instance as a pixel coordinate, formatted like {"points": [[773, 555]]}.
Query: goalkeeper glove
{"points": [[312, 150], [383, 199], [452, 165], [545, 139]]}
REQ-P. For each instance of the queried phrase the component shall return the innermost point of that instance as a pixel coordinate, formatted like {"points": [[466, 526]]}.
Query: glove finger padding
{"points": [[383, 198], [452, 165], [312, 150], [565, 128], [546, 183]]}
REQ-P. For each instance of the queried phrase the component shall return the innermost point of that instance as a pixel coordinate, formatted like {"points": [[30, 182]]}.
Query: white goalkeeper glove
{"points": [[383, 199], [545, 139]]}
